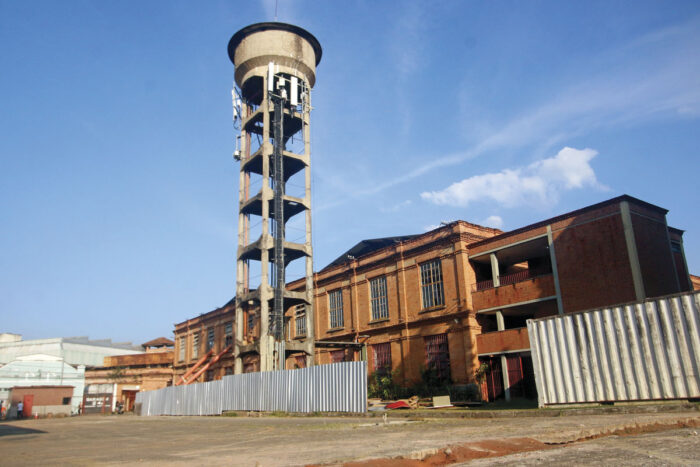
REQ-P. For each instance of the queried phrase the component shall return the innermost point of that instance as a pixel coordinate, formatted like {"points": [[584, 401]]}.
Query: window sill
{"points": [[430, 310], [335, 329], [378, 321]]}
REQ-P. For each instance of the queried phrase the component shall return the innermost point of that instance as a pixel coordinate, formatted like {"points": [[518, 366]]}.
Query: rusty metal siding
{"points": [[642, 351], [340, 387]]}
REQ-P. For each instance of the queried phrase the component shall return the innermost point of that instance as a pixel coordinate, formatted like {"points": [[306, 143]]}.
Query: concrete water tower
{"points": [[275, 69]]}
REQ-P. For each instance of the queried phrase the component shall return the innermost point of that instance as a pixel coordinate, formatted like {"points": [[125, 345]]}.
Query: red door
{"points": [[28, 403], [494, 379], [515, 375]]}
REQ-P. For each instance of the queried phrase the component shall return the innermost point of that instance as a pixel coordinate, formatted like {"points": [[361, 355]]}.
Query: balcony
{"points": [[522, 286], [502, 341]]}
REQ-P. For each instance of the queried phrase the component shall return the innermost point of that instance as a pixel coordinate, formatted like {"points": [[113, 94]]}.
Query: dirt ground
{"points": [[271, 441]]}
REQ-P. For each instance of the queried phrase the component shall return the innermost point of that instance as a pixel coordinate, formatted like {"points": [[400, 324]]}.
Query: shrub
{"points": [[383, 386]]}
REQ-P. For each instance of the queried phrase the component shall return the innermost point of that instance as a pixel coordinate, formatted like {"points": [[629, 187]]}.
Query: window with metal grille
{"points": [[337, 356], [437, 355], [210, 338], [251, 322], [228, 334], [181, 356], [380, 308], [335, 307], [382, 357], [195, 346], [300, 320], [431, 284]]}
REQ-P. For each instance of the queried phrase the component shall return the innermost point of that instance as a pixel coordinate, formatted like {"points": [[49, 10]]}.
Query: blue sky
{"points": [[118, 192]]}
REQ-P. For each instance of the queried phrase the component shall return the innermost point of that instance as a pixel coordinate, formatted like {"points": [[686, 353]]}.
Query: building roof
{"points": [[222, 309], [577, 212], [159, 342], [367, 246]]}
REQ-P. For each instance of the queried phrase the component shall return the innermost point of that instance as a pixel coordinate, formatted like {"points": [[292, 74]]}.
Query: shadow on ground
{"points": [[9, 430]]}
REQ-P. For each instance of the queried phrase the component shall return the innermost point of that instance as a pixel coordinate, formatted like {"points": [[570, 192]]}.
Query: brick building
{"points": [[459, 296], [403, 303], [122, 376], [202, 343], [614, 252]]}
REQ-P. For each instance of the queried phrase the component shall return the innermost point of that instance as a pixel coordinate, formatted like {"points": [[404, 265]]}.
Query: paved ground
{"points": [[267, 441], [673, 447]]}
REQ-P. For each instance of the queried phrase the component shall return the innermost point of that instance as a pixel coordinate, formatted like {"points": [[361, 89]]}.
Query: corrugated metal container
{"points": [[641, 351], [340, 387]]}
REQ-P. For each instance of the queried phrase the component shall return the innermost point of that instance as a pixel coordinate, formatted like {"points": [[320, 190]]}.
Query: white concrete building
{"points": [[56, 361]]}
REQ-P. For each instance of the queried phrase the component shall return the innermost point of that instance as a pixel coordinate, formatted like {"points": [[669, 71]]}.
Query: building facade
{"points": [[614, 252], [205, 343], [455, 301], [122, 376], [402, 303]]}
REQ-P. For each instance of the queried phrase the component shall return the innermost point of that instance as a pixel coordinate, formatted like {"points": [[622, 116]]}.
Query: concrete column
{"points": [[242, 271], [265, 348], [555, 271], [499, 321], [504, 372], [310, 308], [494, 270], [637, 278]]}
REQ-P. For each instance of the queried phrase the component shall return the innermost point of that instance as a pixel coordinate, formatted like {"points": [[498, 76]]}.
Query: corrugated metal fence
{"points": [[642, 351], [340, 387]]}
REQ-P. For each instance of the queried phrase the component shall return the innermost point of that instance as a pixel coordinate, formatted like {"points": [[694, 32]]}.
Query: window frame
{"points": [[436, 346], [300, 317], [382, 351], [432, 285], [211, 338], [182, 351], [378, 299], [250, 323], [336, 320], [228, 334], [336, 354], [195, 346]]}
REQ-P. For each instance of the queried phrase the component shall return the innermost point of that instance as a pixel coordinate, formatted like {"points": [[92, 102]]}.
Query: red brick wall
{"points": [[531, 289], [655, 259], [593, 265], [50, 395], [503, 341]]}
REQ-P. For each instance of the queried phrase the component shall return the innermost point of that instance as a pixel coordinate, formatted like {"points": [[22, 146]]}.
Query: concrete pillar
{"points": [[555, 271], [494, 270], [499, 321], [504, 372], [637, 278]]}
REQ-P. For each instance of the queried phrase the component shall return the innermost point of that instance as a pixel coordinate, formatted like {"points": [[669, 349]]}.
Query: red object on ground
{"points": [[398, 405]]}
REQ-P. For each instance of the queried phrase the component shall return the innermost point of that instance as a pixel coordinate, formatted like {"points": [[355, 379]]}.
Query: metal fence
{"points": [[340, 387], [641, 351]]}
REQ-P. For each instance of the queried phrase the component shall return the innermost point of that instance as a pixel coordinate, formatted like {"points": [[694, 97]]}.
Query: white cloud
{"points": [[604, 97], [538, 183], [495, 222], [428, 228]]}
